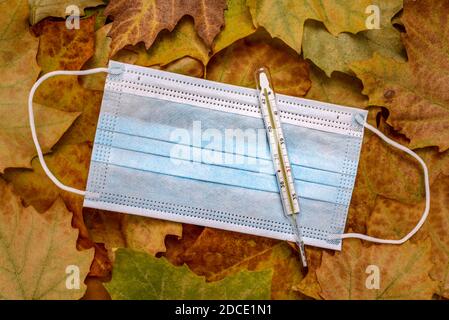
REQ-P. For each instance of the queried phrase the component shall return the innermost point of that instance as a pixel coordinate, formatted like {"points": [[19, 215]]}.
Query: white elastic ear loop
{"points": [[426, 186], [47, 171]]}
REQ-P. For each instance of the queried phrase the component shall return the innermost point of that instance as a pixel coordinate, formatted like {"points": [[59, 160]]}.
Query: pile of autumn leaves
{"points": [[321, 51]]}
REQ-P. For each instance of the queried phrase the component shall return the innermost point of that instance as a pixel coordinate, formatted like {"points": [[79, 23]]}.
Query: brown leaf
{"points": [[95, 290], [70, 165], [217, 254], [142, 20], [416, 93], [393, 220], [237, 64], [404, 271], [309, 285], [176, 248], [64, 49], [37, 249]]}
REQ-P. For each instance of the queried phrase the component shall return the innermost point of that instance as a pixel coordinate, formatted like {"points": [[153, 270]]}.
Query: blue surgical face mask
{"points": [[178, 148]]}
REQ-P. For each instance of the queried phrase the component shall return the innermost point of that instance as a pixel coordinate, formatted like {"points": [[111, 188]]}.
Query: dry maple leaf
{"points": [[18, 50], [101, 59], [142, 20], [335, 53], [64, 49], [36, 249], [339, 89], [393, 220], [118, 230], [217, 254], [403, 271], [237, 64], [416, 93], [184, 41], [285, 19], [70, 165]]}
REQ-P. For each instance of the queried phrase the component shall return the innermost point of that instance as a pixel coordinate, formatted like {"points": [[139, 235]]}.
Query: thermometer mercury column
{"points": [[279, 156]]}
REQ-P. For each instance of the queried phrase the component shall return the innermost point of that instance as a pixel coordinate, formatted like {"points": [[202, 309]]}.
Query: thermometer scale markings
{"points": [[289, 199], [285, 176]]}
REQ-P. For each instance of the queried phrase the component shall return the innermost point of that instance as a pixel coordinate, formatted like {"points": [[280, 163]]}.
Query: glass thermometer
{"points": [[279, 155]]}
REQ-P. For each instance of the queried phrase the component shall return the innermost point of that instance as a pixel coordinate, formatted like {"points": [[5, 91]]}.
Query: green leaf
{"points": [[138, 275], [340, 51]]}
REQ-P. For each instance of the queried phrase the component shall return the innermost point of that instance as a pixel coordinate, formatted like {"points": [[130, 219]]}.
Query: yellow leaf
{"points": [[70, 165], [342, 50], [238, 25], [39, 252], [335, 53], [105, 227], [41, 9], [101, 59], [237, 64], [142, 20], [18, 65], [147, 234], [187, 66], [403, 272], [182, 41], [285, 19]]}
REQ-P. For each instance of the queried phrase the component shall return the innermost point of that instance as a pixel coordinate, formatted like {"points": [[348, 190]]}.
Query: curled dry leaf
{"points": [[237, 64], [142, 20], [403, 272], [39, 251], [416, 93]]}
